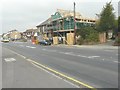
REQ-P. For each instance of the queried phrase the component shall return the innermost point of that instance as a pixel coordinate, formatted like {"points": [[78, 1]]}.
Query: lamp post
{"points": [[74, 26]]}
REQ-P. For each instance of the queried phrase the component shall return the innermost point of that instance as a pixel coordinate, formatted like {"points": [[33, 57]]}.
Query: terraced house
{"points": [[62, 22]]}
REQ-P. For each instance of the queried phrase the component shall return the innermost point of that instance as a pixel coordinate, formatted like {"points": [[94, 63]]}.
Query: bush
{"points": [[117, 42], [80, 41], [88, 35]]}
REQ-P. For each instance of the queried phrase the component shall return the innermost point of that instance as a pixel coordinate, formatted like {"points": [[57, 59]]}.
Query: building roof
{"points": [[64, 14], [31, 30], [67, 13], [45, 22]]}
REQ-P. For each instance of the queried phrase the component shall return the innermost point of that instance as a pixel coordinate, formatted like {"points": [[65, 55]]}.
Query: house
{"points": [[62, 22], [15, 35], [29, 33], [12, 35], [5, 36]]}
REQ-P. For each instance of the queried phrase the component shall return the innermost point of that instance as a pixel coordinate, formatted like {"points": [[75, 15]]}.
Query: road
{"points": [[95, 67], [19, 73]]}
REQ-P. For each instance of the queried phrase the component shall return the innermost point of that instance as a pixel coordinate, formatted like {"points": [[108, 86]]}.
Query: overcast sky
{"points": [[25, 14]]}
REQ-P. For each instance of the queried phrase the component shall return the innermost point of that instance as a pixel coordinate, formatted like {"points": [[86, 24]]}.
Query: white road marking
{"points": [[17, 54], [10, 59], [53, 74], [66, 53], [116, 62], [49, 50], [93, 56], [71, 53], [82, 56], [71, 83], [30, 47], [44, 49], [22, 56]]}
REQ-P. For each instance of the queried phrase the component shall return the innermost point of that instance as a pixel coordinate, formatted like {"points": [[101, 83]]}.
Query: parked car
{"points": [[5, 40], [45, 42]]}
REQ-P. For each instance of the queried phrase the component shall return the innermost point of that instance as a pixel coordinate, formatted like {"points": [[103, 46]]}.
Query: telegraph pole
{"points": [[74, 26]]}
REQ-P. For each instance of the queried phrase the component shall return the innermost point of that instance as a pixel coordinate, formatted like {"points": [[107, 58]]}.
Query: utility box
{"points": [[70, 38], [55, 40]]}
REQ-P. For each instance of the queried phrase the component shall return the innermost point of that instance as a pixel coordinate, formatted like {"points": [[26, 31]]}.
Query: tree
{"points": [[107, 18], [119, 24]]}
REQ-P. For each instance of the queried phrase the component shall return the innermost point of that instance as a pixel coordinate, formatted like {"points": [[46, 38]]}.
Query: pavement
{"points": [[95, 67], [88, 46], [107, 45], [19, 73]]}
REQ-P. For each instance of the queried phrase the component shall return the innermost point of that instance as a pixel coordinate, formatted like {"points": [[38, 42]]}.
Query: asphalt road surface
{"points": [[94, 67], [19, 73]]}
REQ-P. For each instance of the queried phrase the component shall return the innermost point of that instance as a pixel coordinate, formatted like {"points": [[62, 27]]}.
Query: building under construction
{"points": [[62, 22]]}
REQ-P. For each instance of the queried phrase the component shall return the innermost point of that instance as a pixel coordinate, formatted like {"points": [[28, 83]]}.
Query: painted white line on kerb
{"points": [[10, 59]]}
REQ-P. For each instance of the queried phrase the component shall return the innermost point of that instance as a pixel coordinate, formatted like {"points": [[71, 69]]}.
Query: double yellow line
{"points": [[62, 75], [56, 72]]}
